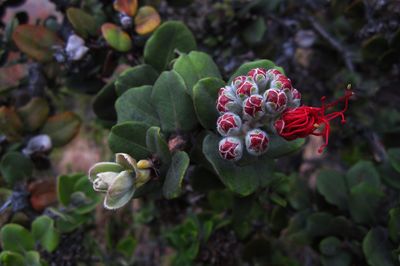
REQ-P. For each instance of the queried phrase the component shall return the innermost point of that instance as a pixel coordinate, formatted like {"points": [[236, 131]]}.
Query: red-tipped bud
{"points": [[239, 80], [229, 124], [226, 89], [246, 89], [273, 73], [227, 101], [258, 74], [275, 100], [257, 142], [231, 148], [282, 82], [296, 97], [253, 107]]}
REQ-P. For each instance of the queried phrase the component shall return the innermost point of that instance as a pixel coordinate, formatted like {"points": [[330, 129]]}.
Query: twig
{"points": [[333, 42]]}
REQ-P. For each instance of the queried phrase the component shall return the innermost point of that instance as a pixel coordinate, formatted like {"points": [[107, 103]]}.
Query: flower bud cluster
{"points": [[246, 106]]}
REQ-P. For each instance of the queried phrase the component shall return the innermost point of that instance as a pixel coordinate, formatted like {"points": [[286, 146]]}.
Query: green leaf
{"points": [[135, 105], [43, 231], [101, 103], [205, 93], [363, 171], [176, 173], [135, 77], [34, 113], [376, 248], [328, 179], [130, 138], [254, 32], [279, 147], [62, 128], [246, 67], [116, 37], [364, 202], [203, 180], [394, 224], [32, 258], [83, 23], [394, 158], [174, 106], [10, 124], [170, 37], [341, 259], [329, 246], [65, 187], [220, 200], [157, 145], [231, 174], [36, 41], [15, 167], [194, 66], [9, 258], [127, 246], [89, 197], [16, 238], [12, 75], [320, 224]]}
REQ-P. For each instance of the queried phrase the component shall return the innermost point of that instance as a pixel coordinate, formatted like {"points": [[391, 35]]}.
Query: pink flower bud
{"points": [[229, 124], [282, 82], [275, 100], [239, 80], [253, 107], [258, 74], [227, 101], [296, 97], [246, 89], [226, 89], [231, 148], [257, 142], [273, 73]]}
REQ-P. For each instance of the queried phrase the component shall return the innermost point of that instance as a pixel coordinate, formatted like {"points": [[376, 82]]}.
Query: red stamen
{"points": [[305, 120]]}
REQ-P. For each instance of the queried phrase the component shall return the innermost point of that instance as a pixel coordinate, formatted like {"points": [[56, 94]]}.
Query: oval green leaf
{"points": [[15, 167], [116, 37], [135, 77], [172, 187], [135, 105], [62, 128], [83, 23], [205, 94], [130, 138], [194, 66], [43, 231], [16, 238], [174, 106], [171, 36], [36, 41]]}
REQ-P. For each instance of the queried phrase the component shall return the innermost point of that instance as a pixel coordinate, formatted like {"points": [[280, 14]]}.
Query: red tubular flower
{"points": [[303, 121]]}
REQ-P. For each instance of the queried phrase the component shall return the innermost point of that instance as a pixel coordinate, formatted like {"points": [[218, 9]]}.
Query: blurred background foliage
{"points": [[57, 106]]}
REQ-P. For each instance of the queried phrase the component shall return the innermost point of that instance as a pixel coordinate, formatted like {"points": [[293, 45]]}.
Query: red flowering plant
{"points": [[265, 102]]}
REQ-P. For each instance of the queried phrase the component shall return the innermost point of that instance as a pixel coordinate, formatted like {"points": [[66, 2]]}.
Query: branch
{"points": [[333, 42]]}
